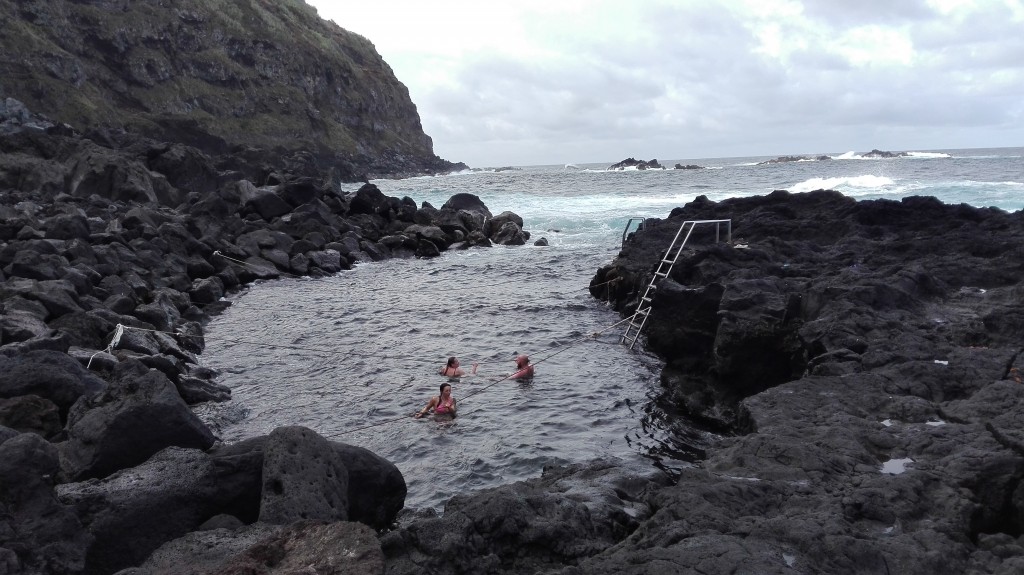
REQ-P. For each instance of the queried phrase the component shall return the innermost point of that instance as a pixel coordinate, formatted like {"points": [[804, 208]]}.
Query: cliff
{"points": [[248, 81]]}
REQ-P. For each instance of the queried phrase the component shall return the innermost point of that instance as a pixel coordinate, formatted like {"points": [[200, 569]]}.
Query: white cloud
{"points": [[527, 82]]}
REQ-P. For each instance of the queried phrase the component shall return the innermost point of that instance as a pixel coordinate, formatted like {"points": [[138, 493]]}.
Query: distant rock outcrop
{"points": [[637, 164], [250, 82], [883, 154], [785, 159], [688, 167]]}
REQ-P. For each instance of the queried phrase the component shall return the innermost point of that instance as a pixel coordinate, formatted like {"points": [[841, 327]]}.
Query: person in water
{"points": [[442, 404], [523, 368], [452, 369]]}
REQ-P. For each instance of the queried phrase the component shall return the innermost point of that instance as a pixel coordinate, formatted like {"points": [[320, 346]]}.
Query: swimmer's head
{"points": [[522, 361], [444, 385], [452, 361]]}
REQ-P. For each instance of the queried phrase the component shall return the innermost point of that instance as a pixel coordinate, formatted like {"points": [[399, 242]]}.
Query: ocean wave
{"points": [[844, 183]]}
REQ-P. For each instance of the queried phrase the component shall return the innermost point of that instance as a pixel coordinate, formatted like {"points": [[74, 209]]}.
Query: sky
{"points": [[530, 82]]}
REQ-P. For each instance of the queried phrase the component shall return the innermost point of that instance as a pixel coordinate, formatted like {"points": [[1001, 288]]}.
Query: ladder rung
{"points": [[645, 298], [668, 261], [662, 274]]}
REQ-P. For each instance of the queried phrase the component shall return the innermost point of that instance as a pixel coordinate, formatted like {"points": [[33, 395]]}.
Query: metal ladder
{"points": [[643, 308]]}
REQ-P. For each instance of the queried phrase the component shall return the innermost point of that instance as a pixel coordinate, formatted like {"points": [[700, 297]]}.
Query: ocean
{"points": [[354, 355]]}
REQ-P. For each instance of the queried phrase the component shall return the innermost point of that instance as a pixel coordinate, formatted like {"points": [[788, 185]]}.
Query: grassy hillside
{"points": [[216, 74]]}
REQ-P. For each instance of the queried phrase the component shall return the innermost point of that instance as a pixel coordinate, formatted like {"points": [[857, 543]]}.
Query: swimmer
{"points": [[523, 368], [452, 369], [442, 404]]}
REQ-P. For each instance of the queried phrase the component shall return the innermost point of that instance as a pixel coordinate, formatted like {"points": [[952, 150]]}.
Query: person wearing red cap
{"points": [[523, 368]]}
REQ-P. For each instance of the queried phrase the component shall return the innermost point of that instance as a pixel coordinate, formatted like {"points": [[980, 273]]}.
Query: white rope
{"points": [[110, 348]]}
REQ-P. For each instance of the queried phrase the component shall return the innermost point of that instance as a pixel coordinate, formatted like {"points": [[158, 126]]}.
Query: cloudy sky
{"points": [[524, 82]]}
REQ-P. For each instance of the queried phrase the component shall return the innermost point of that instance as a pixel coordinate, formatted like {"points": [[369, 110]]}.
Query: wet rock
{"points": [[510, 234], [568, 514], [468, 202]]}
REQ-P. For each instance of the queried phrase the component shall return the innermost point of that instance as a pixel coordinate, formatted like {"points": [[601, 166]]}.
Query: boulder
{"points": [[40, 534], [376, 488], [303, 478], [31, 414], [510, 234], [20, 326], [262, 201], [48, 374], [132, 512], [369, 200], [468, 202], [298, 192], [139, 414]]}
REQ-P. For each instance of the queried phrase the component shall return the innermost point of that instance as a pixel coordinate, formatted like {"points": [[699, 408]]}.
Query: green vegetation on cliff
{"points": [[220, 75]]}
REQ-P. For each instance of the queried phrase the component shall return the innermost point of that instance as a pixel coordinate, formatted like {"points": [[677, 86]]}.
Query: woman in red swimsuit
{"points": [[443, 404]]}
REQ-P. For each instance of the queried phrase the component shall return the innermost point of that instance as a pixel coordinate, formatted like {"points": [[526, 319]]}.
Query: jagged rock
{"points": [[510, 234], [568, 514], [48, 374], [31, 414], [878, 430], [21, 326], [427, 249], [196, 390], [638, 164], [263, 201], [876, 153], [330, 261], [39, 534], [134, 511], [376, 489], [298, 192], [498, 221], [369, 200], [205, 550], [139, 414], [325, 548]]}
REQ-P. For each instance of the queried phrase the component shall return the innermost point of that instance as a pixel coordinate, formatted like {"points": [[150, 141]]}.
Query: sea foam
{"points": [[852, 184]]}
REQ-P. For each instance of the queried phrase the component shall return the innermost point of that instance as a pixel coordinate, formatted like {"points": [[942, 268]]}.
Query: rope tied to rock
{"points": [[118, 332]]}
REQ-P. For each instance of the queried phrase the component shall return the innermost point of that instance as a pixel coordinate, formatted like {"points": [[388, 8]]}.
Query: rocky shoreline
{"points": [[862, 360], [112, 258]]}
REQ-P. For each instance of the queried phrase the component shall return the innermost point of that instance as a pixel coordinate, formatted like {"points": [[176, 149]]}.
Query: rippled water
{"points": [[363, 349], [355, 355]]}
